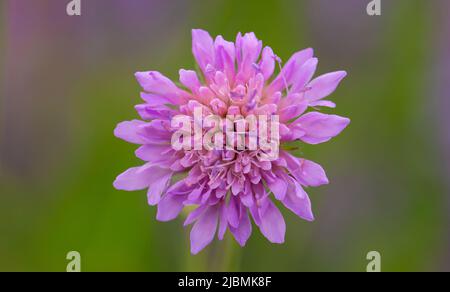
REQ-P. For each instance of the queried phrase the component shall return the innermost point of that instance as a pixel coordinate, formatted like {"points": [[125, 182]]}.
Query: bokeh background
{"points": [[65, 82]]}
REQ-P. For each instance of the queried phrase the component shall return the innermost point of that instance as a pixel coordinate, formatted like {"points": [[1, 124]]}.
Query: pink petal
{"points": [[154, 153], [156, 83], [292, 111], [272, 224], [233, 212], [203, 48], [190, 79], [306, 172], [324, 103], [194, 215], [170, 207], [244, 230], [297, 201], [223, 224], [324, 85], [267, 64], [153, 99], [159, 181], [134, 179], [304, 75], [290, 69], [204, 230], [129, 131], [156, 132], [249, 49], [225, 57], [320, 128], [150, 112], [278, 186]]}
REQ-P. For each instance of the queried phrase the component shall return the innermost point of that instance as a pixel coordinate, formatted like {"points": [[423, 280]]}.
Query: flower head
{"points": [[232, 185]]}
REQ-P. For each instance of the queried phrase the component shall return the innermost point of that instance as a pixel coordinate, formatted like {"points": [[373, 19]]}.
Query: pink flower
{"points": [[229, 187]]}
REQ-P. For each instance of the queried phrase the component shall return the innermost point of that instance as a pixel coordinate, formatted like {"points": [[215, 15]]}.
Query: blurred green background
{"points": [[67, 81]]}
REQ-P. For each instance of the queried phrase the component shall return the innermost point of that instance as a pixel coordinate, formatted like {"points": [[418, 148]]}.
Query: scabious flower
{"points": [[229, 187]]}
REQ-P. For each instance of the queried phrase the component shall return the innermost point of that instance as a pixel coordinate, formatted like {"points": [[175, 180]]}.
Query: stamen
{"points": [[279, 61]]}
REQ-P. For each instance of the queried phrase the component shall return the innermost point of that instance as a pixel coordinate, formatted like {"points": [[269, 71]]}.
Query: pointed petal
{"points": [[297, 201], [289, 70], [304, 75], [203, 48], [156, 83], [244, 230], [190, 79], [134, 179], [170, 207], [129, 131], [159, 181], [194, 215], [324, 85], [278, 186], [225, 57], [223, 223], [204, 230], [151, 112], [267, 64], [324, 103], [306, 172], [153, 152], [319, 128], [249, 48], [233, 212], [272, 225]]}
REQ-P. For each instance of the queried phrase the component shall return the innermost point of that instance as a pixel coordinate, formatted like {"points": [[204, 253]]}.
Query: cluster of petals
{"points": [[228, 189]]}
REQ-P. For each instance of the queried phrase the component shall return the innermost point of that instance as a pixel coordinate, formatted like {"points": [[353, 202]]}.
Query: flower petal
{"points": [[244, 230], [129, 131], [297, 201], [292, 111], [134, 179], [225, 57], [194, 215], [249, 49], [153, 99], [324, 103], [203, 48], [154, 153], [190, 79], [156, 83], [204, 230], [223, 223], [170, 207], [278, 186], [324, 85], [289, 71], [304, 75], [319, 128], [267, 64], [150, 112], [306, 172], [272, 224], [233, 211], [159, 181]]}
